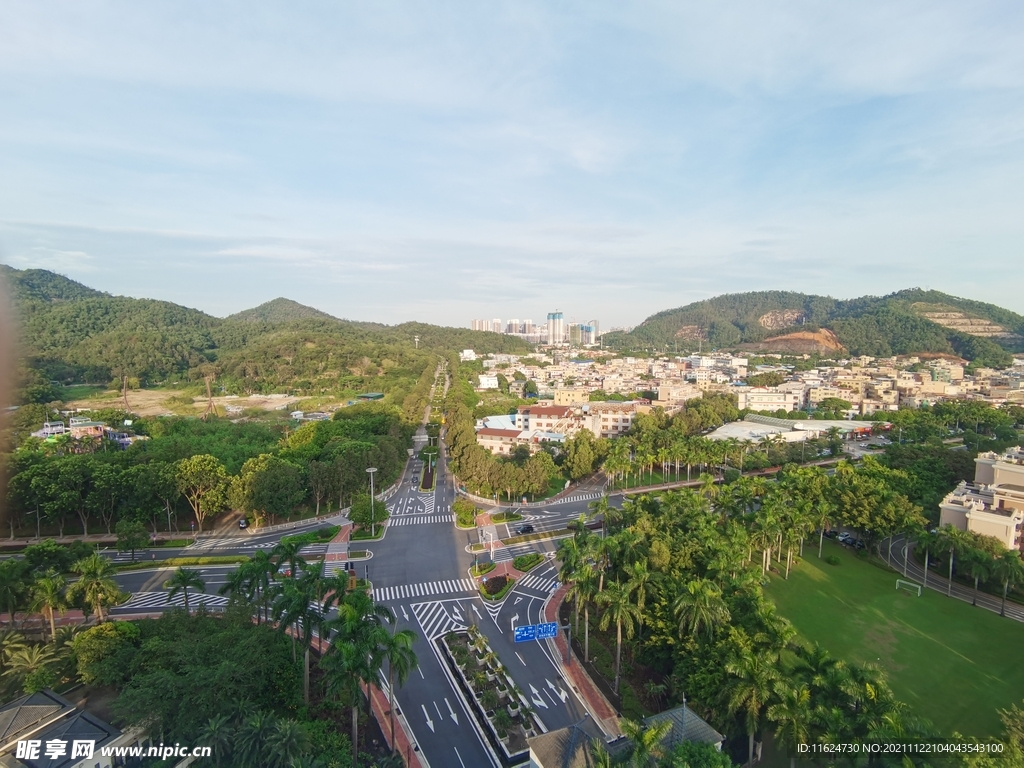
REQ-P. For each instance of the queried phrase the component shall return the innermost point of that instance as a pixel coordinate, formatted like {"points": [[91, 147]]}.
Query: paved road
{"points": [[420, 570]]}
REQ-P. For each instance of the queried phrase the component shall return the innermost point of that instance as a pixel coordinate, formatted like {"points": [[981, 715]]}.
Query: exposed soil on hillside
{"points": [[801, 342]]}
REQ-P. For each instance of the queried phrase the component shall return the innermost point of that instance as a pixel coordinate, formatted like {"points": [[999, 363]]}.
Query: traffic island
{"points": [[500, 708]]}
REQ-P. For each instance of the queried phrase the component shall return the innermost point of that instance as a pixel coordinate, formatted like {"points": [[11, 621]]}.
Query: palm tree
{"points": [[957, 541], [1008, 568], [978, 564], [96, 586], [285, 744], [23, 661], [355, 655], [620, 609], [183, 580], [13, 587], [929, 543], [287, 551], [792, 715], [252, 736], [401, 660], [48, 596], [584, 590], [218, 734], [646, 741], [753, 675], [700, 609]]}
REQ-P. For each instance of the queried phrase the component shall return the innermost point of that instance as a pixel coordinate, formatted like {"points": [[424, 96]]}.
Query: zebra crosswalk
{"points": [[579, 497], [420, 519], [424, 589], [141, 600], [233, 542], [437, 619], [539, 584], [502, 555], [313, 550]]}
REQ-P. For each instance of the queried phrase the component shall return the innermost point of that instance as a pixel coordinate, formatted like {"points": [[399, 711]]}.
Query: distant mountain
{"points": [[907, 322], [71, 333], [280, 310], [42, 285]]}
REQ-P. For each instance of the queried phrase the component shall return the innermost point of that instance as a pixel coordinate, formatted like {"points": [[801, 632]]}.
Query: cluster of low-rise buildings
{"points": [[869, 385], [84, 428]]}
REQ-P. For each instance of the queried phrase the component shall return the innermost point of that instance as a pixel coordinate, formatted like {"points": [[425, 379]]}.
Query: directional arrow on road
{"points": [[514, 620], [406, 615], [430, 723], [476, 612], [536, 698], [452, 712], [558, 691]]}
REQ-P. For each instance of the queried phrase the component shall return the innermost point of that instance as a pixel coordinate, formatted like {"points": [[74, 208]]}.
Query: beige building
{"points": [[993, 505], [571, 395], [768, 399]]}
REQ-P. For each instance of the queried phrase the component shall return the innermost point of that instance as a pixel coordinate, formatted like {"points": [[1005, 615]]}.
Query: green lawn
{"points": [[952, 663]]}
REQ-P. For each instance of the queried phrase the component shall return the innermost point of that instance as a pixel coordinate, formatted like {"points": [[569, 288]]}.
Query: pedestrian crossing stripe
{"points": [[420, 519], [435, 620], [579, 497], [235, 542], [424, 589], [502, 555], [159, 600], [541, 585]]}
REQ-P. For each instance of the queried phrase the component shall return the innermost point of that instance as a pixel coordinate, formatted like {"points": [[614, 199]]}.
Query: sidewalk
{"points": [[595, 701]]}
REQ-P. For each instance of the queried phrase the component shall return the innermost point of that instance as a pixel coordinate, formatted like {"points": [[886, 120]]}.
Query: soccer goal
{"points": [[910, 586]]}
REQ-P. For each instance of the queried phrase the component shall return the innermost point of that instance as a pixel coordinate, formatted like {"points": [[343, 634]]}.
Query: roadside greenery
{"points": [[526, 562]]}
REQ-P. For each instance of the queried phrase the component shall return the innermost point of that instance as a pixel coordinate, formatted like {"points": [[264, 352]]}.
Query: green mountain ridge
{"points": [[280, 310], [869, 325], [71, 333]]}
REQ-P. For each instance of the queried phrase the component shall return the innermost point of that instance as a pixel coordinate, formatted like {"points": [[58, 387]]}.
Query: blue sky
{"points": [[442, 161]]}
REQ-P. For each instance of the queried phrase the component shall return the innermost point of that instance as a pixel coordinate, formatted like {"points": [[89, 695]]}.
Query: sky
{"points": [[446, 161]]}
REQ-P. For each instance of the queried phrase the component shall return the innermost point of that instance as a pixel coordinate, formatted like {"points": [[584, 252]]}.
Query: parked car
{"points": [[831, 534], [243, 523], [525, 529], [844, 538]]}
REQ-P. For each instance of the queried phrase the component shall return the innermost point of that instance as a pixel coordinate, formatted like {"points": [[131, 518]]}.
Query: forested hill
{"points": [[74, 334], [908, 322], [280, 310]]}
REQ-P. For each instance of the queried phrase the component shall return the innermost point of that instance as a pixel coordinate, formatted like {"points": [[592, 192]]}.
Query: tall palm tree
{"points": [[792, 715], [182, 581], [96, 586], [583, 591], [929, 543], [287, 551], [1009, 569], [700, 609], [956, 541], [978, 563], [397, 652], [251, 738], [753, 675], [619, 607], [355, 655], [48, 596]]}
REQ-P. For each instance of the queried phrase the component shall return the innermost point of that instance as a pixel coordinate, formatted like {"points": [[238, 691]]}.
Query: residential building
{"points": [[556, 328], [488, 382], [993, 505], [768, 399]]}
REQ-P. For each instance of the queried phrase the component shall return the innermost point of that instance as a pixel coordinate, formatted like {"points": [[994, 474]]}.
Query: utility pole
{"points": [[417, 340], [373, 519]]}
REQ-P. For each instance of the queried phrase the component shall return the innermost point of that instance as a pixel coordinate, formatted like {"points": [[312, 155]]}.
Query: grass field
{"points": [[952, 663]]}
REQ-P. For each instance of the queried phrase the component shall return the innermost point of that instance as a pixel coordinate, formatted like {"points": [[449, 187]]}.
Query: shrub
{"points": [[526, 562], [833, 560], [494, 585]]}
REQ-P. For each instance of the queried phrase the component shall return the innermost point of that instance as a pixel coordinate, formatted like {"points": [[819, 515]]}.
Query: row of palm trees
{"points": [[975, 555], [357, 638], [638, 454]]}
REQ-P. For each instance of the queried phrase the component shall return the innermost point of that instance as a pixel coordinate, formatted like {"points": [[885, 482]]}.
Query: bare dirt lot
{"points": [[162, 402]]}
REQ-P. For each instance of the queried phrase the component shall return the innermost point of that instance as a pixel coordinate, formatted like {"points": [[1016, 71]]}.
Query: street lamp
{"points": [[373, 522]]}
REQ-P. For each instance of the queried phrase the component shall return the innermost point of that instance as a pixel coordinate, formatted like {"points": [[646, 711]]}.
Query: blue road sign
{"points": [[547, 631], [526, 633]]}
